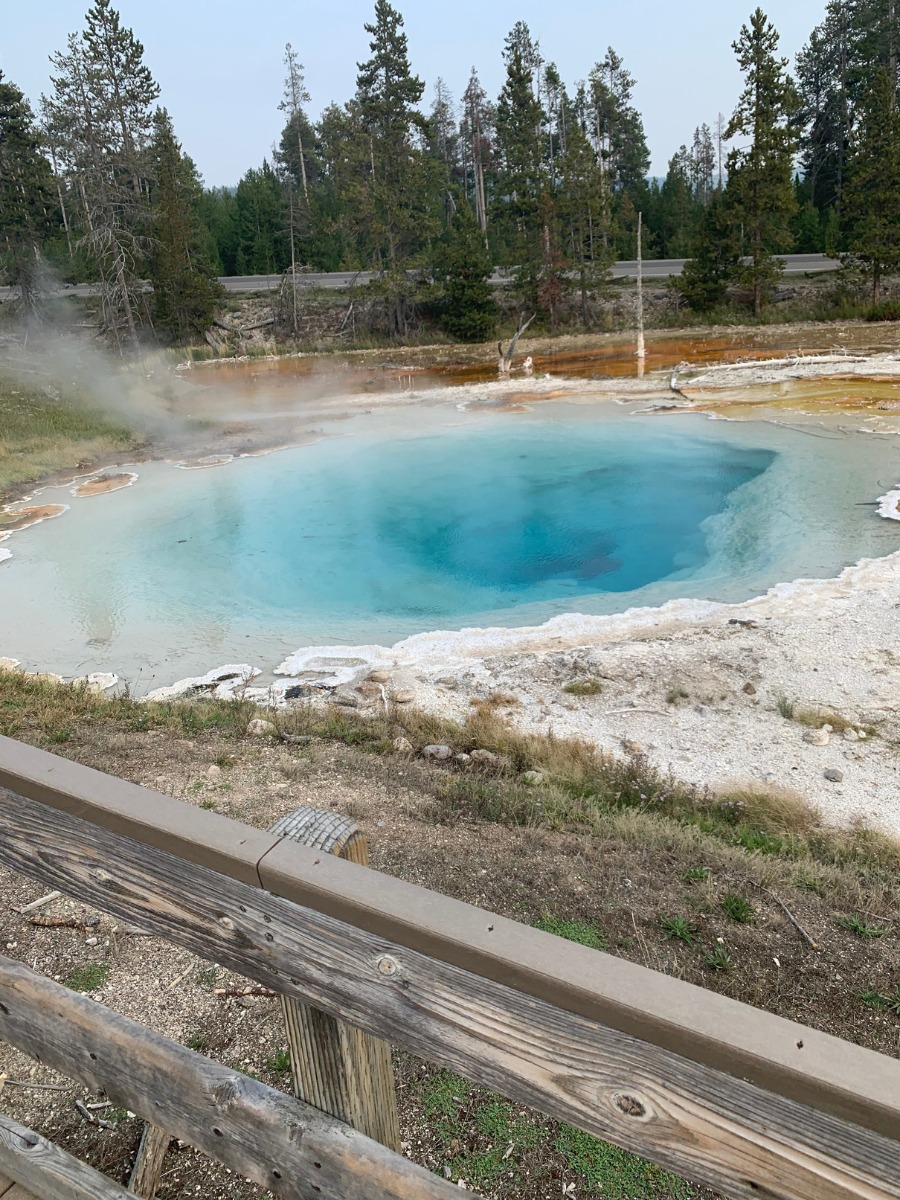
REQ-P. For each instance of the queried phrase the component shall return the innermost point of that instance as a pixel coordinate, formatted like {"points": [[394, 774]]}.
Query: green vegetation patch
{"points": [[89, 978], [40, 436]]}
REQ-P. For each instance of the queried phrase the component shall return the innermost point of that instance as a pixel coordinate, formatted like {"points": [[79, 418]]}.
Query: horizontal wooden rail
{"points": [[49, 1172], [781, 1056], [706, 1124], [278, 1142]]}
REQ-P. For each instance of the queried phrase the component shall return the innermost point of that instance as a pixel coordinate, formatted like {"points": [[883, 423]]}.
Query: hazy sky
{"points": [[219, 64]]}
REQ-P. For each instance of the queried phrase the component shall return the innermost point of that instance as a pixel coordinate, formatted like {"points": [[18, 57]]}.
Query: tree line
{"points": [[546, 179]]}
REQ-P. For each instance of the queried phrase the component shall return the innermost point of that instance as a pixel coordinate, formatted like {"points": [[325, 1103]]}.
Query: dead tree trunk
{"points": [[505, 359]]}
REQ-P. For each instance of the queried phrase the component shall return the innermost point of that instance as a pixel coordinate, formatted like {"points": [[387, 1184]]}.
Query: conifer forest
{"points": [[545, 181]]}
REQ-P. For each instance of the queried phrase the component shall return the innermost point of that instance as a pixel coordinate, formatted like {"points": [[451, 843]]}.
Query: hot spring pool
{"points": [[469, 519]]}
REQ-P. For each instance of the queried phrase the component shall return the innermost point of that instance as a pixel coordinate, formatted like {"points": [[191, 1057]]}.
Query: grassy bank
{"points": [[40, 437]]}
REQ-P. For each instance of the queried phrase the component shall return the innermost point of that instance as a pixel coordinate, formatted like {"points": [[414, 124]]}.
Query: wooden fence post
{"points": [[336, 1067]]}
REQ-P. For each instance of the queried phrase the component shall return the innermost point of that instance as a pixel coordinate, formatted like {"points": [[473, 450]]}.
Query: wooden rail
{"points": [[717, 1091]]}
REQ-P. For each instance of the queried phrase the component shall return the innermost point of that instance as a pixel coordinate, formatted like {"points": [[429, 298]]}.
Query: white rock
{"points": [[225, 681], [817, 737], [850, 735], [260, 728], [464, 759], [533, 777], [8, 664], [379, 677], [403, 745], [437, 753], [404, 697], [214, 772]]}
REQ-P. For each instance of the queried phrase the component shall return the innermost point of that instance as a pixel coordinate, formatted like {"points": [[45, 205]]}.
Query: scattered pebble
{"points": [[404, 697], [833, 775], [464, 759], [403, 745], [214, 772], [749, 689], [379, 677]]}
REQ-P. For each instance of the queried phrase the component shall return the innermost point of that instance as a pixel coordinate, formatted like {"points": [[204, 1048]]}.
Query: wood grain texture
{"points": [[285, 1146], [148, 1164], [335, 1067], [5, 1185], [778, 1055], [49, 1172], [706, 1125]]}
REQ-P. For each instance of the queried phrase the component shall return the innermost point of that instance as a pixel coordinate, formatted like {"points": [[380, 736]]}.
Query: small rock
{"points": [[861, 734], [749, 689], [850, 735], [854, 755], [379, 677], [464, 760], [437, 753], [404, 697], [91, 941], [260, 728], [403, 745], [345, 699], [833, 775], [214, 772], [448, 681], [485, 758], [369, 689], [817, 737], [533, 777]]}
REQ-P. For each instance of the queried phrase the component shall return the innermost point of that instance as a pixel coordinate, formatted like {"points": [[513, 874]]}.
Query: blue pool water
{"points": [[481, 519]]}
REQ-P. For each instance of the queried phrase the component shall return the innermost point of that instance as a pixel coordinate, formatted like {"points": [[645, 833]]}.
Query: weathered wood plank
{"points": [[705, 1124], [43, 1168], [150, 817], [5, 1185], [148, 1164], [285, 1146], [335, 1067], [780, 1056]]}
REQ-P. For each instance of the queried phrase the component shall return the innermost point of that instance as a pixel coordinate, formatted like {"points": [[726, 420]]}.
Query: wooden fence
{"points": [[724, 1094]]}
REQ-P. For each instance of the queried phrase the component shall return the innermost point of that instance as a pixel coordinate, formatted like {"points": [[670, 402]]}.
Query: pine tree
{"points": [[297, 137], [99, 119], [262, 223], [123, 87], [760, 176], [520, 210], [584, 209], [464, 266], [476, 128], [716, 261], [185, 290], [873, 190], [403, 175], [26, 204]]}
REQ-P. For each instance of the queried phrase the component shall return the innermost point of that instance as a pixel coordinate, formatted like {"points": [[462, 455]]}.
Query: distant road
{"points": [[655, 268]]}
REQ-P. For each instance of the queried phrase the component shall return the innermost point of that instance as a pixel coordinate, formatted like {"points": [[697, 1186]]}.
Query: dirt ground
{"points": [[610, 888]]}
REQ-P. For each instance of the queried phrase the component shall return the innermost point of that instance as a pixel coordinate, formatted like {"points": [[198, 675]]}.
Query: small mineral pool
{"points": [[378, 530]]}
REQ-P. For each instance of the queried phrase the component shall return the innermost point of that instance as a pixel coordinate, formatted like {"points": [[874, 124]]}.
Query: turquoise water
{"points": [[441, 527], [471, 520]]}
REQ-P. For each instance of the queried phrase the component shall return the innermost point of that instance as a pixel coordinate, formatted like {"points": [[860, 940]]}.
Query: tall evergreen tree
{"points": [[402, 173], [297, 138], [760, 176], [99, 119], [26, 197], [873, 191], [585, 209], [520, 211], [716, 258], [185, 290], [476, 128]]}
